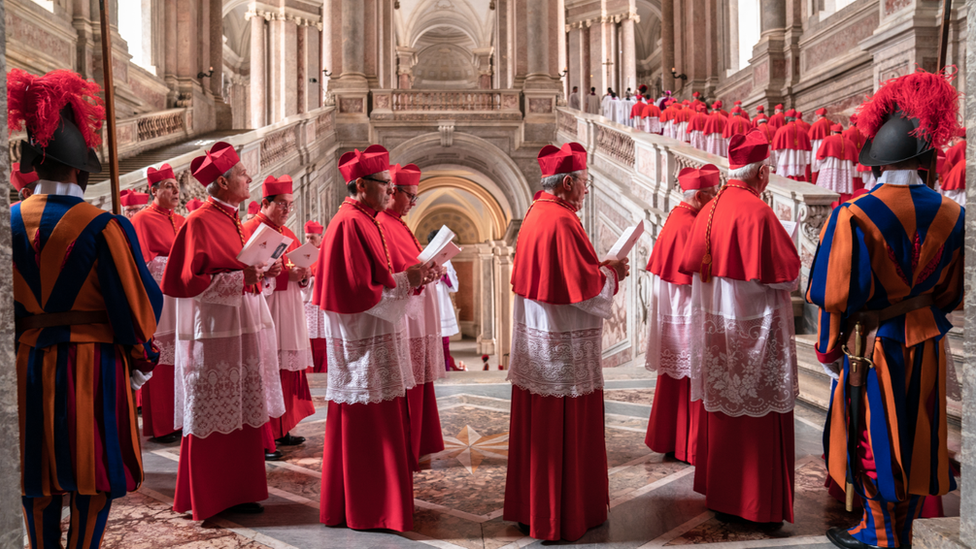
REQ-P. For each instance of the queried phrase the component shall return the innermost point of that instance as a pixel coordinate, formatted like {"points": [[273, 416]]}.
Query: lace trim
{"points": [[368, 370], [744, 367], [157, 267], [560, 364], [669, 344], [225, 289], [393, 301], [167, 348], [601, 305], [295, 361], [427, 358], [315, 318], [225, 383]]}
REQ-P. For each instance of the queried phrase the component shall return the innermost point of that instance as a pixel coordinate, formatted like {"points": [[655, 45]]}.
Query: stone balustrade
{"points": [[421, 104], [635, 178]]}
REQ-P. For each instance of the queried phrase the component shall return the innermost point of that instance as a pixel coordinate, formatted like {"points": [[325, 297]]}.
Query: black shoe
{"points": [[168, 439], [842, 539], [273, 456], [523, 527], [289, 440], [247, 509]]}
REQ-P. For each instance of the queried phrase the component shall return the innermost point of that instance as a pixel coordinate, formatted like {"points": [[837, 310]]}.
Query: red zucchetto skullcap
{"points": [[820, 112], [854, 119], [736, 111], [696, 94], [133, 198], [21, 180], [570, 158], [405, 176], [692, 179], [313, 227], [193, 204], [717, 105], [273, 187], [760, 108], [355, 164], [253, 208], [791, 113], [162, 174], [837, 128], [779, 106], [747, 149], [214, 163]]}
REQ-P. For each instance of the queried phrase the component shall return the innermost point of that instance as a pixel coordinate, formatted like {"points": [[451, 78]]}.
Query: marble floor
{"points": [[459, 492]]}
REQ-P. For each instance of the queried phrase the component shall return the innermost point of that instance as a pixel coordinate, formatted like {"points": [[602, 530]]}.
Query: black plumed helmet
{"points": [[67, 146], [894, 143]]}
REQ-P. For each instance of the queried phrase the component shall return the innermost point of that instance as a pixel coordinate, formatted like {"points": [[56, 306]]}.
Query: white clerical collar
{"points": [[56, 187], [219, 201], [900, 177]]}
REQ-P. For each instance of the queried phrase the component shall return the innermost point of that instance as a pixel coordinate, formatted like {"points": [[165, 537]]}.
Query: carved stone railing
{"points": [[275, 146], [615, 144], [152, 130], [161, 125], [566, 122], [424, 104]]}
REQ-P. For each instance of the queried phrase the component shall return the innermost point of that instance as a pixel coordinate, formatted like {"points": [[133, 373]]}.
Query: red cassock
{"points": [[696, 130], [777, 121], [557, 479], [745, 455], [226, 466], [367, 479], [294, 347], [817, 132], [767, 132], [715, 142], [836, 162], [426, 345], [857, 138], [673, 425], [316, 328], [792, 149], [953, 155], [156, 229], [637, 110]]}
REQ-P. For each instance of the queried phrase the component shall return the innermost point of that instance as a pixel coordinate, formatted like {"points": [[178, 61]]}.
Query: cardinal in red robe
{"points": [[778, 119], [284, 297], [696, 129], [423, 319], [557, 485], [315, 317], [367, 464], [736, 125], [857, 138], [23, 183], [715, 142], [226, 382], [156, 227], [792, 151], [673, 426], [744, 370], [836, 160], [818, 131], [760, 115], [652, 117]]}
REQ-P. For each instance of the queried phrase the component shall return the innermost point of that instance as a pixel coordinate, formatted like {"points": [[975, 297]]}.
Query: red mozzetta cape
{"points": [[791, 137], [837, 146], [955, 180], [820, 129], [156, 229], [207, 244], [650, 109], [777, 121], [736, 125], [251, 225], [748, 242], [669, 248], [954, 155], [554, 259], [353, 265], [697, 123], [403, 245], [855, 136], [767, 132], [716, 123], [637, 111]]}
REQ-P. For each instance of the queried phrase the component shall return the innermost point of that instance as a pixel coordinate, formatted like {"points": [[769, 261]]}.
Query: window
{"points": [[46, 4], [749, 30], [135, 26]]}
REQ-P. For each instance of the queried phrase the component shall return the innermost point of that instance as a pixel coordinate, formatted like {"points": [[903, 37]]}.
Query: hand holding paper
{"points": [[304, 256], [265, 245], [440, 249], [621, 249]]}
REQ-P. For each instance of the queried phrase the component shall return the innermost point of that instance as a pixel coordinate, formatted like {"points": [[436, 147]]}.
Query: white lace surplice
{"points": [[669, 336], [836, 175], [288, 313], [368, 352], [698, 141], [652, 124], [791, 162], [166, 327], [716, 144], [314, 316], [426, 347], [744, 349], [557, 350], [226, 360]]}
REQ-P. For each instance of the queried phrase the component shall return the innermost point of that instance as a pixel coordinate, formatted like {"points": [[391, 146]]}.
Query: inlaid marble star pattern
{"points": [[469, 447]]}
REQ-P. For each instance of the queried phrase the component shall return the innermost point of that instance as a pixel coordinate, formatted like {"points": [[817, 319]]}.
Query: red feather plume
{"points": [[929, 97], [37, 101]]}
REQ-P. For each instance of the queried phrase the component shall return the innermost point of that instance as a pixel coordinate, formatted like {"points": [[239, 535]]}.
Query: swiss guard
{"points": [[888, 270], [86, 309]]}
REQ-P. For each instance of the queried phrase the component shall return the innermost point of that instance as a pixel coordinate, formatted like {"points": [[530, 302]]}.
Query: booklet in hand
{"points": [[790, 227], [440, 249], [626, 242], [265, 245], [304, 256]]}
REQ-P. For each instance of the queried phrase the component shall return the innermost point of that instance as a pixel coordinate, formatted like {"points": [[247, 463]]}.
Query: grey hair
{"points": [[747, 172], [549, 182], [689, 195], [213, 188]]}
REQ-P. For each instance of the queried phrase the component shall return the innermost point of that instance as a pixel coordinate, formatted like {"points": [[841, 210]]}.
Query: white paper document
{"points": [[265, 245], [440, 249], [304, 256], [790, 227], [626, 242]]}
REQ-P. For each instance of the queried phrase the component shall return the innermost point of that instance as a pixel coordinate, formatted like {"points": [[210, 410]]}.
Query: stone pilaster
{"points": [[908, 35], [541, 88], [351, 87], [407, 58], [628, 73], [259, 76], [769, 61], [667, 43], [11, 519], [222, 113], [484, 56]]}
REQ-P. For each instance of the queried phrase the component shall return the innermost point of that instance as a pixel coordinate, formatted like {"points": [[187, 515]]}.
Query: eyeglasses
{"points": [[383, 181], [411, 196], [284, 205], [587, 183]]}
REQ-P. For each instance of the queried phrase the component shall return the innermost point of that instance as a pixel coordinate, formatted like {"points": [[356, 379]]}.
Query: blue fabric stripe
{"points": [[881, 444], [79, 263], [62, 438], [113, 449], [927, 205], [80, 504], [100, 522], [934, 441], [113, 292], [34, 425], [23, 252], [891, 229], [908, 399]]}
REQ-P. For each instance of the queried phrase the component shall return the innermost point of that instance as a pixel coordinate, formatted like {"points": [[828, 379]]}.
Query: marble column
{"points": [[537, 40], [407, 58], [259, 86], [325, 40], [586, 72], [772, 15], [172, 52], [353, 52], [575, 60], [283, 53], [483, 56], [629, 55], [667, 43], [11, 519], [216, 47]]}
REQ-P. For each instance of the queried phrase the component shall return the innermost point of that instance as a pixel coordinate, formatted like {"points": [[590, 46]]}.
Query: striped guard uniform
{"points": [[899, 241], [78, 430]]}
